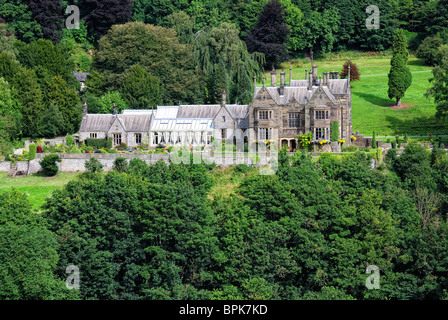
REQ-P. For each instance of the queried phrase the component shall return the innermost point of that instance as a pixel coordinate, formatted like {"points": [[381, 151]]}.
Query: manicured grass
{"points": [[372, 110], [37, 186]]}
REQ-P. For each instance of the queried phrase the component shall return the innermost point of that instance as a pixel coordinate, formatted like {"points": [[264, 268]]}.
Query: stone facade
{"points": [[277, 113]]}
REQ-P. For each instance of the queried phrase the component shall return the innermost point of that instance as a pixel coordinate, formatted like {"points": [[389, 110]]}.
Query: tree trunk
{"points": [[398, 102], [312, 56]]}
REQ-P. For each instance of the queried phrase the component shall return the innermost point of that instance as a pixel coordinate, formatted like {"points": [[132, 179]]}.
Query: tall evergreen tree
{"points": [[400, 77], [217, 82], [270, 34], [140, 89], [67, 101]]}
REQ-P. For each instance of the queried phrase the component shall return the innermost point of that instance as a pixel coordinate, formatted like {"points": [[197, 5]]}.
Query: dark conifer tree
{"points": [[100, 15], [49, 15], [270, 34]]}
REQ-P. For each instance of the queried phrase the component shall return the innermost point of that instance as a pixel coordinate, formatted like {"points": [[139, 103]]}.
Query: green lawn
{"points": [[371, 107], [36, 186]]}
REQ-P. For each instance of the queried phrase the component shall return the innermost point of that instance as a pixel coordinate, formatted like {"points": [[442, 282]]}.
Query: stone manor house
{"points": [[276, 113]]}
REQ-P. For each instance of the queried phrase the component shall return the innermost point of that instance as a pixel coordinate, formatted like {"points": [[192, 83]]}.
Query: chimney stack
{"points": [[310, 80], [315, 78], [224, 98], [114, 112], [273, 78], [306, 73], [264, 81], [282, 82], [320, 83], [348, 75], [84, 109], [290, 76]]}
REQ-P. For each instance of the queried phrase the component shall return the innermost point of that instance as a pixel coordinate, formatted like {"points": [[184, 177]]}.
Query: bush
{"points": [[120, 164], [93, 165], [354, 71], [428, 50], [49, 166], [98, 143], [32, 152], [70, 140], [122, 146], [39, 149], [334, 131]]}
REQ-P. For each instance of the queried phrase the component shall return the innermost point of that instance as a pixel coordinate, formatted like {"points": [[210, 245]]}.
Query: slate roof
{"points": [[102, 122], [96, 122], [81, 76], [136, 123]]}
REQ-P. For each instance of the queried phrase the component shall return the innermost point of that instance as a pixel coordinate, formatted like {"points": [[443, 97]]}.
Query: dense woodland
{"points": [[167, 232]]}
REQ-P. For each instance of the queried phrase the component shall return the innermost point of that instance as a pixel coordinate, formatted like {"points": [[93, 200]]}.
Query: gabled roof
{"points": [[103, 122], [301, 94], [96, 122], [338, 86], [134, 122]]}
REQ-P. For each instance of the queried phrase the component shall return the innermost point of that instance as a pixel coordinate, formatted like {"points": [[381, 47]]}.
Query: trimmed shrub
{"points": [[32, 152], [49, 166], [93, 165], [334, 131], [120, 164], [99, 143], [39, 149]]}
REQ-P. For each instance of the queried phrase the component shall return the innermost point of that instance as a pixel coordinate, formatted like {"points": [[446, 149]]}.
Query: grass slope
{"points": [[37, 186]]}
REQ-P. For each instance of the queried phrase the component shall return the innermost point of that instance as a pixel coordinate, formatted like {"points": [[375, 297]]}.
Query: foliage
{"points": [[99, 143], [140, 89], [101, 15], [334, 131], [32, 151], [49, 15], [305, 140], [270, 34], [156, 49], [400, 77], [120, 164], [67, 101], [354, 71], [439, 89], [28, 253], [428, 50], [52, 123], [224, 59], [93, 165], [48, 164]]}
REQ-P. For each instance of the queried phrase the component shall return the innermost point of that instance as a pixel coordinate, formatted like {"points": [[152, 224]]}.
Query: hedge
{"points": [[99, 143]]}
